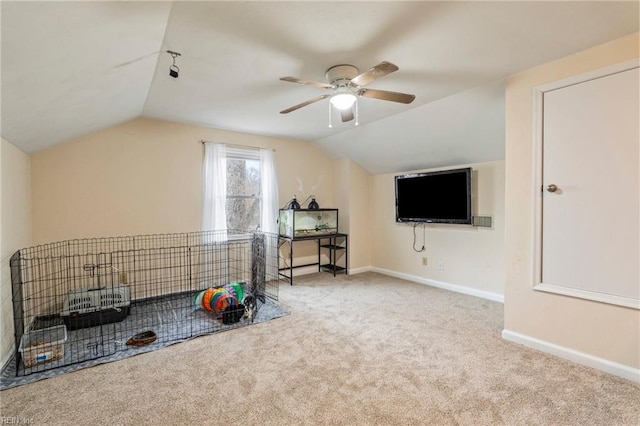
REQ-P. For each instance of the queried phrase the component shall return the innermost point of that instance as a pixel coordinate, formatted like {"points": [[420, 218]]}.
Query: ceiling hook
{"points": [[173, 54]]}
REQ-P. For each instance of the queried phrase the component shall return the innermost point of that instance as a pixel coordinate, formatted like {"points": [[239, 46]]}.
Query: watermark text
{"points": [[15, 420]]}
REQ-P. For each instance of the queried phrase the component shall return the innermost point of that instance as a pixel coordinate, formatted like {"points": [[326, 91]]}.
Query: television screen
{"points": [[434, 197]]}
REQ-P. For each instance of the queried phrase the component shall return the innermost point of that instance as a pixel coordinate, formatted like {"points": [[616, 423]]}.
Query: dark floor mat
{"points": [[172, 319]]}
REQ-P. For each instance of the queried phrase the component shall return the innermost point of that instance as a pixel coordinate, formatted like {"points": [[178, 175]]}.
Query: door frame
{"points": [[537, 188]]}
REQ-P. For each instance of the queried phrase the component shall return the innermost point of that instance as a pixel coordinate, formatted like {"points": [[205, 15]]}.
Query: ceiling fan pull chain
{"points": [[356, 106], [330, 126]]}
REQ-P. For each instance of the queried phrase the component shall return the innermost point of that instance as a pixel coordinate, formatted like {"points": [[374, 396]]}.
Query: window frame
{"points": [[246, 154]]}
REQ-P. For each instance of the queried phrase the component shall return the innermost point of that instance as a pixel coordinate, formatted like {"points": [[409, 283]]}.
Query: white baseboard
{"points": [[572, 355], [446, 286], [305, 270], [353, 271], [313, 269]]}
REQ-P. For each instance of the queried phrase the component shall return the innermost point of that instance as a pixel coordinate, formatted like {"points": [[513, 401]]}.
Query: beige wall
{"points": [[352, 198], [15, 231], [596, 329], [360, 233], [472, 257], [341, 190], [144, 176]]}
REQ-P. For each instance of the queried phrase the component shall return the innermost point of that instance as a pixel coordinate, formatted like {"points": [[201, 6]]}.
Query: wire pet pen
{"points": [[80, 300]]}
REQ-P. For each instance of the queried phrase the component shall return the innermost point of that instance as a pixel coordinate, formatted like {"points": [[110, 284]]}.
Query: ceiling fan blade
{"points": [[346, 114], [304, 104], [380, 70], [307, 82], [385, 95]]}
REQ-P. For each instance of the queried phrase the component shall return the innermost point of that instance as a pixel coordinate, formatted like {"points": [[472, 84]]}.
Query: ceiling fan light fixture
{"points": [[343, 101], [346, 83]]}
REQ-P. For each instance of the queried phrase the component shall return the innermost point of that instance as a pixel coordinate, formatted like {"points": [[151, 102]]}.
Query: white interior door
{"points": [[590, 208]]}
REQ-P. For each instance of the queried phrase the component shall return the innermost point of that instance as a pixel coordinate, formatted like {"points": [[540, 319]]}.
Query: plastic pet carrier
{"points": [[90, 307]]}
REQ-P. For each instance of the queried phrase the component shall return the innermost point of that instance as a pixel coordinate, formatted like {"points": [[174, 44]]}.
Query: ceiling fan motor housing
{"points": [[341, 75]]}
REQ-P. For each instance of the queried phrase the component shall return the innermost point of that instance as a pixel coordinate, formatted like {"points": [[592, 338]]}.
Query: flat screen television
{"points": [[435, 197]]}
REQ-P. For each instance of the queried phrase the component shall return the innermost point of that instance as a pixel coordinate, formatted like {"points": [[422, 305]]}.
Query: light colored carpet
{"points": [[362, 349]]}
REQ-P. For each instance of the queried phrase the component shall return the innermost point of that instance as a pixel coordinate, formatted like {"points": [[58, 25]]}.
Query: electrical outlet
{"points": [[441, 265], [424, 261]]}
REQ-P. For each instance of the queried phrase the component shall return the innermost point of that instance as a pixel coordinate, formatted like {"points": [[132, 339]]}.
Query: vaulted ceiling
{"points": [[72, 68]]}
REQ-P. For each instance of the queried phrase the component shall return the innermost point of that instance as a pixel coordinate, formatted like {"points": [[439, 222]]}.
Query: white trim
{"points": [[537, 187], [305, 270], [242, 153], [590, 295], [313, 269], [591, 75], [360, 270], [445, 286], [572, 355], [241, 236]]}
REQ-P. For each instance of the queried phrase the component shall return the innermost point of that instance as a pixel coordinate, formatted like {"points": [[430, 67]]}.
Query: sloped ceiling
{"points": [[72, 68]]}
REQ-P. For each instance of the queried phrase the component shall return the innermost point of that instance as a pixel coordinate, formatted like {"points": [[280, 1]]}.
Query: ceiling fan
{"points": [[347, 84]]}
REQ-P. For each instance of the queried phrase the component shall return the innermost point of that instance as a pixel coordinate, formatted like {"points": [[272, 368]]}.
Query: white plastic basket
{"points": [[43, 345]]}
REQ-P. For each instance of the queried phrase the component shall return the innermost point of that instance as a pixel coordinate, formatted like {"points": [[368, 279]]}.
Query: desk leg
{"points": [[332, 253], [290, 262], [346, 255]]}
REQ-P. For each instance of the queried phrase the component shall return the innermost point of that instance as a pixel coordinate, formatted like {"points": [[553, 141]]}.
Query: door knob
{"points": [[552, 188]]}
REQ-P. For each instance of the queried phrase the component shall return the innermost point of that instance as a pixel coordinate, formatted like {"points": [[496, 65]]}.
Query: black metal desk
{"points": [[334, 243]]}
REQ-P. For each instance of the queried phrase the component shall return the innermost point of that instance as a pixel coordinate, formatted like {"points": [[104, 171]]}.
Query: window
{"points": [[240, 191], [243, 201]]}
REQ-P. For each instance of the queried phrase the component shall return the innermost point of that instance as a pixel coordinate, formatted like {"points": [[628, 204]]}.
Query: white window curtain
{"points": [[215, 186], [269, 188], [269, 211], [214, 197]]}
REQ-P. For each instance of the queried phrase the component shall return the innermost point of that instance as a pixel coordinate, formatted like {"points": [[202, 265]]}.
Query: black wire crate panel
{"points": [[80, 300]]}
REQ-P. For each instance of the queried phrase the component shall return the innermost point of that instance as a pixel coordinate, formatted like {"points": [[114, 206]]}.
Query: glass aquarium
{"points": [[298, 223]]}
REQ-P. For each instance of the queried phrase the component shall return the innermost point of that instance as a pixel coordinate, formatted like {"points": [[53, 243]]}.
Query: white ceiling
{"points": [[72, 68]]}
